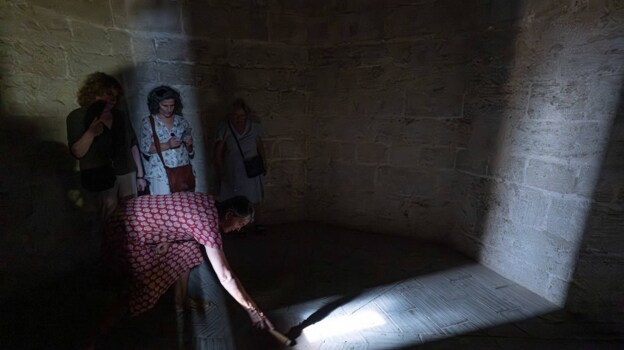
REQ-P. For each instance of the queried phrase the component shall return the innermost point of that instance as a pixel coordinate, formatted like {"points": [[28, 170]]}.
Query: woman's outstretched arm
{"points": [[232, 285]]}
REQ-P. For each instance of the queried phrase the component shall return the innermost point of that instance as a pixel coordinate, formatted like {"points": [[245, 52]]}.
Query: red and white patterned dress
{"points": [[187, 220]]}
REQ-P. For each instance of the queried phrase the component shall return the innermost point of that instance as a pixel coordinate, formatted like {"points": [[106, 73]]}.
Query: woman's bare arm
{"points": [[82, 145], [232, 285], [136, 156], [228, 279], [172, 143]]}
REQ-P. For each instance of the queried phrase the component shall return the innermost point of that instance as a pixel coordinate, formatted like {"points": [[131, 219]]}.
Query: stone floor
{"points": [[332, 289], [335, 289]]}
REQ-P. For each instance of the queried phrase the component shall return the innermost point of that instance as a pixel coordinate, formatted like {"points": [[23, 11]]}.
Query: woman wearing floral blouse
{"points": [[174, 134]]}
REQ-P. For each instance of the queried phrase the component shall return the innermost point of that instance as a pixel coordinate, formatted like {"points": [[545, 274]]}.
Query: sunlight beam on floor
{"points": [[343, 325]]}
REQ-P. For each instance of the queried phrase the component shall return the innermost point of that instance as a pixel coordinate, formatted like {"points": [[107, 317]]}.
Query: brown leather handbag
{"points": [[181, 179]]}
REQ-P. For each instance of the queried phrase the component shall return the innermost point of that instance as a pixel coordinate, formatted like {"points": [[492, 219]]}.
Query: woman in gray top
{"points": [[229, 160]]}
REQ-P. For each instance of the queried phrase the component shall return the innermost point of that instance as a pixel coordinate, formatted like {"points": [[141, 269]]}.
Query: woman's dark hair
{"points": [[160, 94], [239, 206], [96, 84]]}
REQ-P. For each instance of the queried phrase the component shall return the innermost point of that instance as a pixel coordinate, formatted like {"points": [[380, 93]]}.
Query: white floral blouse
{"points": [[176, 157]]}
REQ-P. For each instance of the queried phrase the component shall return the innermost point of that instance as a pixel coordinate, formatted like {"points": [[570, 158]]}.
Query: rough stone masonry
{"points": [[493, 126]]}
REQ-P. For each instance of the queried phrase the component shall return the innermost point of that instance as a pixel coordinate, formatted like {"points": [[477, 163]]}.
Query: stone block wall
{"points": [[214, 52], [211, 51], [483, 124], [533, 210], [488, 125], [396, 87], [47, 47]]}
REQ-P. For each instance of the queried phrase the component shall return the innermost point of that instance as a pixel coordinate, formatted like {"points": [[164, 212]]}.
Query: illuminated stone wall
{"points": [[532, 211], [482, 124]]}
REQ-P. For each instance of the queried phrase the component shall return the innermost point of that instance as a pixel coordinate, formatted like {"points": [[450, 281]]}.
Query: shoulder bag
{"points": [[254, 166], [181, 179]]}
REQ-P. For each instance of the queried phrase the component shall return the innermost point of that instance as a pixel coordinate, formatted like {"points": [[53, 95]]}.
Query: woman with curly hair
{"points": [[173, 133], [102, 139]]}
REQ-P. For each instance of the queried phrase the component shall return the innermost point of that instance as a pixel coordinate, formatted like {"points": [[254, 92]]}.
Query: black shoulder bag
{"points": [[253, 166]]}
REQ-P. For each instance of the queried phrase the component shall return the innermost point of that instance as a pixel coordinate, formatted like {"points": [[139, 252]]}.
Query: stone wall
{"points": [[47, 47], [214, 53], [211, 51], [528, 207], [394, 99], [482, 124]]}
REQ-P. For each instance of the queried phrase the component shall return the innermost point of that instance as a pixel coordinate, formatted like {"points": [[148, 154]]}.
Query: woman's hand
{"points": [[232, 285], [188, 141], [141, 184], [173, 142], [96, 127], [259, 320]]}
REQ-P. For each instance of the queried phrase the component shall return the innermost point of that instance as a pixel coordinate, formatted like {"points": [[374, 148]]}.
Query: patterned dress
{"points": [[154, 170], [139, 228]]}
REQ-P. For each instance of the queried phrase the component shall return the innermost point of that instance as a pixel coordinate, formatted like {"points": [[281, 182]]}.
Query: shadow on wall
{"points": [[596, 290], [406, 123], [44, 233], [490, 100], [211, 113], [43, 220], [226, 89], [50, 241], [218, 59]]}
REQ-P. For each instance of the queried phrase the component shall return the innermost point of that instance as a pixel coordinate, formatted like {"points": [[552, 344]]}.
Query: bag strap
{"points": [[236, 139], [157, 141]]}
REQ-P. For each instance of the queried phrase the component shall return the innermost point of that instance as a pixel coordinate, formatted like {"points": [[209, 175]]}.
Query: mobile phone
{"points": [[95, 110]]}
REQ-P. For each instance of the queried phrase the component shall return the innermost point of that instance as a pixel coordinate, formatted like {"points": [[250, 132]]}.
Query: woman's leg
{"points": [[107, 201], [180, 303], [180, 290], [127, 186]]}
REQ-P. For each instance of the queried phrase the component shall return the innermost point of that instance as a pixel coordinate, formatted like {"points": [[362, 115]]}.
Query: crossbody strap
{"points": [[157, 141], [236, 139]]}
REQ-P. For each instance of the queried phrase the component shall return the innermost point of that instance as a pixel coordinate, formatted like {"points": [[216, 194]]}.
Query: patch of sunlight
{"points": [[343, 325]]}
